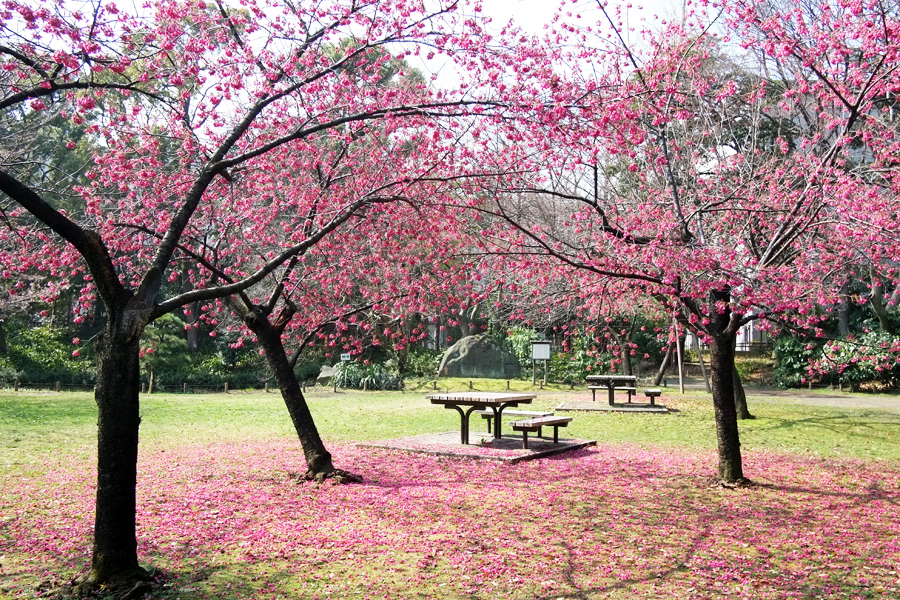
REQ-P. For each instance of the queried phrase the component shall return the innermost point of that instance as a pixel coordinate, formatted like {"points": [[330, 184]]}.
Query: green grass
{"points": [[35, 423], [40, 431]]}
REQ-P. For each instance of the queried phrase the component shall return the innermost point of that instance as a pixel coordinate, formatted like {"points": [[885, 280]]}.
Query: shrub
{"points": [[792, 359], [422, 362], [374, 376], [872, 356], [8, 373], [518, 341], [42, 355]]}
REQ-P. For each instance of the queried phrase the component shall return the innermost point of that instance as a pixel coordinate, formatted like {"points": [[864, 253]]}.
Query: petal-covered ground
{"points": [[232, 521]]}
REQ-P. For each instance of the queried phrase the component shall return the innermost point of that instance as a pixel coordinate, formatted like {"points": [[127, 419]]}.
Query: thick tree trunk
{"points": [[118, 383], [721, 365], [318, 458]]}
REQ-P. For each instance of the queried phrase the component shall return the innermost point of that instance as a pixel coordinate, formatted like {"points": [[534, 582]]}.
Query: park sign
{"points": [[540, 350], [345, 356]]}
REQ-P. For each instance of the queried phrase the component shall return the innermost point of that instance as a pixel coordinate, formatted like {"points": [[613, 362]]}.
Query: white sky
{"points": [[531, 15]]}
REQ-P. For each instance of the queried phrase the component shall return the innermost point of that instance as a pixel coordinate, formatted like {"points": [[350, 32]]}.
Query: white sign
{"points": [[540, 350], [345, 356]]}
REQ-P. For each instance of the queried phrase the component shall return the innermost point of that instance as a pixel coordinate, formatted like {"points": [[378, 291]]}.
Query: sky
{"points": [[531, 15]]}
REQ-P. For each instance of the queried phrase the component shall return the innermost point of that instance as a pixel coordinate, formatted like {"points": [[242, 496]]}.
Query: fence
{"points": [[185, 388]]}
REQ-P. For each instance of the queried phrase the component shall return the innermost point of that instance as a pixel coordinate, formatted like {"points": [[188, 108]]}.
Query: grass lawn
{"points": [[222, 514]]}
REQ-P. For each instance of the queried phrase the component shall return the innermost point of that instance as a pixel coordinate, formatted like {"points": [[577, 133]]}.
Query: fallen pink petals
{"points": [[233, 520]]}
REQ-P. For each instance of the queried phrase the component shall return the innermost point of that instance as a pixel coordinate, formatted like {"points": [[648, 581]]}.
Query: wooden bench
{"points": [[489, 415], [536, 424], [594, 389], [652, 393]]}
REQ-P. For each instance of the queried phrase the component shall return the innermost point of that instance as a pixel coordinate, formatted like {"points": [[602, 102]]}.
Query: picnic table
{"points": [[465, 403], [626, 382]]}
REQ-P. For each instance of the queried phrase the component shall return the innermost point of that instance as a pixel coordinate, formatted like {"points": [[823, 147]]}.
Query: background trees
{"points": [[731, 191]]}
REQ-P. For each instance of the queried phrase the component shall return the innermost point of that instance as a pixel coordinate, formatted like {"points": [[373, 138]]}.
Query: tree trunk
{"points": [[624, 352], [192, 322], [700, 360], [2, 338], [877, 300], [740, 398], [665, 364], [193, 331], [844, 310], [114, 557], [723, 331], [318, 458], [152, 384]]}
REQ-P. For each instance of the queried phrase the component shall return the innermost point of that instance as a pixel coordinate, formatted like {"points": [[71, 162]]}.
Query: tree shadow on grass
{"points": [[841, 423], [873, 492]]}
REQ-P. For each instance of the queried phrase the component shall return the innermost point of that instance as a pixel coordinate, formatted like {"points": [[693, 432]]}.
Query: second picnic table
{"points": [[465, 403], [629, 382]]}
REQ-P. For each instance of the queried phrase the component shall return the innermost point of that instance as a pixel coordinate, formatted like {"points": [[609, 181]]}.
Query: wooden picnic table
{"points": [[612, 382], [465, 403]]}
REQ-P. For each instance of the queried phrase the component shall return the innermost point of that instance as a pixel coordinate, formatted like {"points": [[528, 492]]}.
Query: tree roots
{"points": [[336, 475], [743, 482], [130, 586]]}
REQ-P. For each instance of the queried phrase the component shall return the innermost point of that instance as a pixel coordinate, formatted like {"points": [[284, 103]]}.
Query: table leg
{"points": [[498, 413], [612, 393], [464, 420]]}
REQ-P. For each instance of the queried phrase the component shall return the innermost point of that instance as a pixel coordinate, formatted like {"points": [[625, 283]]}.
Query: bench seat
{"points": [[489, 415], [652, 393], [536, 423]]}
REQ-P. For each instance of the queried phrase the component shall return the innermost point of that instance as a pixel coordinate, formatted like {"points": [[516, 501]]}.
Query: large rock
{"points": [[478, 356], [325, 375]]}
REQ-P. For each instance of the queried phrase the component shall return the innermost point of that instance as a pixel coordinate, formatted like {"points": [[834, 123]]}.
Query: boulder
{"points": [[479, 356], [325, 375]]}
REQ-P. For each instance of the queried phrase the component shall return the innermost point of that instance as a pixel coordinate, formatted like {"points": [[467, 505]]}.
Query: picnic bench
{"points": [[467, 402], [537, 423], [626, 383], [489, 415], [652, 393]]}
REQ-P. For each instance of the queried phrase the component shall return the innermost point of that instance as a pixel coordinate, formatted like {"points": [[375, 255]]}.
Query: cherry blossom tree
{"points": [[204, 115], [732, 172], [350, 290]]}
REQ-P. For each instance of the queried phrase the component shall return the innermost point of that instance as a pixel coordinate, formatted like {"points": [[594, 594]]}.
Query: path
{"points": [[815, 397]]}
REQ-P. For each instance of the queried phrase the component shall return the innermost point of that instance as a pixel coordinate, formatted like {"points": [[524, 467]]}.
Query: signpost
{"points": [[345, 357], [540, 350]]}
